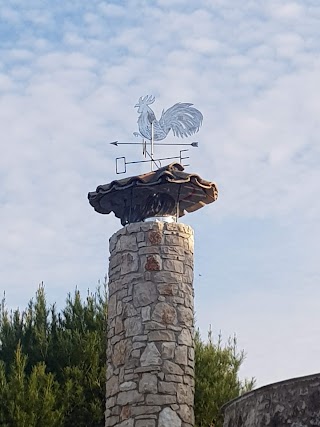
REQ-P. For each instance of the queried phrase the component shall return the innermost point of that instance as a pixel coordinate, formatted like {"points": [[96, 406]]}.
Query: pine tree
{"points": [[63, 353], [28, 400], [216, 378]]}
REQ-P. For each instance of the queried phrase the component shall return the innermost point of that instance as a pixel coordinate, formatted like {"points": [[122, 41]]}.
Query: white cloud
{"points": [[112, 10], [8, 14], [6, 83], [285, 10], [70, 77]]}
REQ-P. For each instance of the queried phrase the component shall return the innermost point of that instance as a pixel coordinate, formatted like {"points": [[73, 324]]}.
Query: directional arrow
{"points": [[193, 144]]}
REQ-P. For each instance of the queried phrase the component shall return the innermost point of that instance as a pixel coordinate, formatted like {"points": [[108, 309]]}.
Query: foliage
{"points": [[52, 366], [28, 400], [216, 378]]}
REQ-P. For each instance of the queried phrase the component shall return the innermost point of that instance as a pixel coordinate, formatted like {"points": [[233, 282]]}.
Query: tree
{"points": [[28, 400], [216, 378], [62, 353]]}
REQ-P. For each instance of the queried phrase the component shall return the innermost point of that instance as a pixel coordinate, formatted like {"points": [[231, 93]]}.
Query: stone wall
{"points": [[150, 356], [294, 403]]}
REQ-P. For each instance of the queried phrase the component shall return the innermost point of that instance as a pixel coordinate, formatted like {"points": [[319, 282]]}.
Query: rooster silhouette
{"points": [[183, 119]]}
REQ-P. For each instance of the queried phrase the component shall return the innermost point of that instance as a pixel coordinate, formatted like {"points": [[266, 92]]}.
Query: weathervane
{"points": [[182, 118], [166, 192]]}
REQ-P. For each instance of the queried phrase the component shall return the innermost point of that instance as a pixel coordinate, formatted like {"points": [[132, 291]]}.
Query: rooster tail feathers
{"points": [[183, 119]]}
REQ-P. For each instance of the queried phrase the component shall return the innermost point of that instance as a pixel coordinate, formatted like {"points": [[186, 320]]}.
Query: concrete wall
{"points": [[150, 356], [294, 403]]}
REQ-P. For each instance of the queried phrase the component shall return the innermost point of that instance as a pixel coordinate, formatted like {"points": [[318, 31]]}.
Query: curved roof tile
{"points": [[179, 192]]}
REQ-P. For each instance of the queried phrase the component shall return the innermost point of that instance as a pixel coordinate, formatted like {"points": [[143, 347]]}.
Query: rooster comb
{"points": [[146, 100]]}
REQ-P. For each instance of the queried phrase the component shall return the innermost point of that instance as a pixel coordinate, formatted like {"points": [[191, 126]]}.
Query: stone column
{"points": [[150, 355]]}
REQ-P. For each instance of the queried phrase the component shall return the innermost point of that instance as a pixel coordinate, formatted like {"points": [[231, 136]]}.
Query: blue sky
{"points": [[70, 74]]}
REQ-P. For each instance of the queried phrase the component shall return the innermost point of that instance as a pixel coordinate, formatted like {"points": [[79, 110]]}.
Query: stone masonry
{"points": [[294, 402], [150, 355]]}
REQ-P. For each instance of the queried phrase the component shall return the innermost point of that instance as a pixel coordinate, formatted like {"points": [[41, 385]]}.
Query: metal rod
{"points": [[193, 144], [152, 146], [154, 160]]}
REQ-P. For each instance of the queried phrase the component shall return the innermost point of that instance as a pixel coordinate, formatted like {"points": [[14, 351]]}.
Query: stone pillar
{"points": [[150, 355]]}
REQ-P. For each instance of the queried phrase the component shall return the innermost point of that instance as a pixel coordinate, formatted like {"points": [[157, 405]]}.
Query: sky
{"points": [[70, 75]]}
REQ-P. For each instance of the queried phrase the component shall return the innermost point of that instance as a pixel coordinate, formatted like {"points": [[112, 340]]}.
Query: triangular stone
{"points": [[168, 418], [150, 356]]}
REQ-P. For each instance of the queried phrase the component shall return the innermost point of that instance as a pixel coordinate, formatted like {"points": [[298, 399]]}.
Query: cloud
{"points": [[286, 10], [69, 77]]}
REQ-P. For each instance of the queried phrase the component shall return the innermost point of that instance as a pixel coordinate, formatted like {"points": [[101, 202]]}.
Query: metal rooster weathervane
{"points": [[182, 119], [166, 192]]}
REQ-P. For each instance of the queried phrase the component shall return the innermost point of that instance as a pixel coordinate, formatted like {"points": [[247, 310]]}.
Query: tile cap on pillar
{"points": [[168, 191]]}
